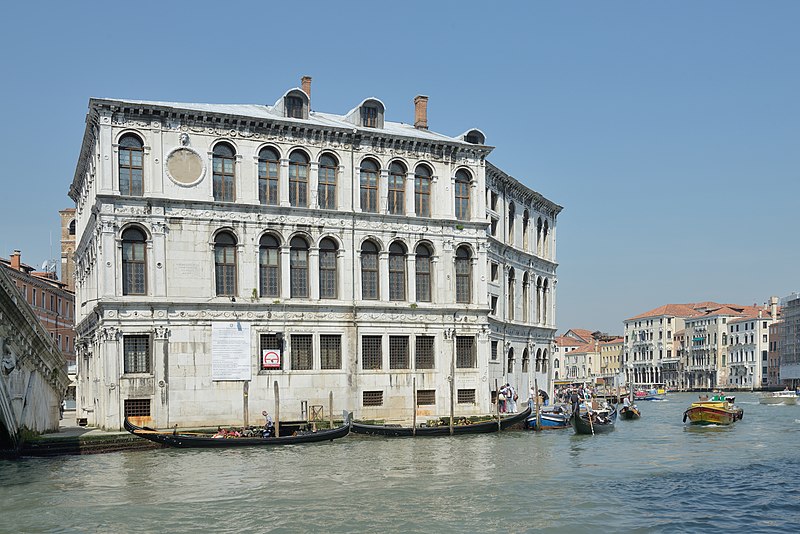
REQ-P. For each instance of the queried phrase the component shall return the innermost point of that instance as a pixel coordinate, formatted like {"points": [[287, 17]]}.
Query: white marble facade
{"points": [[167, 377]]}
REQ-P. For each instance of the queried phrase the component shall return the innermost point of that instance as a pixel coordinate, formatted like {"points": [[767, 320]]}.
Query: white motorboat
{"points": [[779, 397]]}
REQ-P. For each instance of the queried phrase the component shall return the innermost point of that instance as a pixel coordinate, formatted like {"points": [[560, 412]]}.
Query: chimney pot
{"points": [[421, 112], [305, 83], [16, 260]]}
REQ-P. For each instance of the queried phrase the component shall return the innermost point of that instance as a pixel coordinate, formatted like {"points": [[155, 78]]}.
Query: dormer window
{"points": [[294, 107], [369, 116]]}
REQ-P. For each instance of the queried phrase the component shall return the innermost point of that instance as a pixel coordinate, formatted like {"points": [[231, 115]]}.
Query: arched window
{"points": [[525, 360], [545, 291], [510, 368], [369, 186], [555, 363], [511, 216], [298, 267], [224, 173], [131, 166], [326, 190], [397, 189], [538, 360], [422, 191], [545, 241], [463, 275], [72, 227], [462, 195], [544, 361], [327, 269], [526, 298], [269, 165], [423, 273], [225, 264], [511, 290], [539, 236], [269, 265], [134, 262], [525, 223], [369, 271], [298, 179], [397, 271]]}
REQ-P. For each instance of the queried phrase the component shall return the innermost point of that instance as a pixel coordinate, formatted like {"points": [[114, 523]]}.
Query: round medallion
{"points": [[185, 166]]}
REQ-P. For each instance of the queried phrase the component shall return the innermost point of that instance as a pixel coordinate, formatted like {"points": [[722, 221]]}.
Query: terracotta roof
{"points": [[565, 341], [585, 335]]}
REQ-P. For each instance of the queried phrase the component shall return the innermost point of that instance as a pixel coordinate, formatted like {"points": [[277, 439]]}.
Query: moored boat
{"points": [[594, 421], [650, 392], [551, 417], [779, 397], [717, 411], [483, 427], [207, 441]]}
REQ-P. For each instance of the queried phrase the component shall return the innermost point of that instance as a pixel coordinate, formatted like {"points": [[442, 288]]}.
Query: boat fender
{"points": [[684, 417]]}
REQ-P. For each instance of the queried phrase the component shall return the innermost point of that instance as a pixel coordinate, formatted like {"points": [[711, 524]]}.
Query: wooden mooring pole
{"points": [[277, 410], [414, 407], [330, 408], [536, 393]]}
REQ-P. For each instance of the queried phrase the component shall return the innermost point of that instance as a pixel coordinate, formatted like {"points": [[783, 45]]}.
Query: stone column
{"points": [[383, 192], [283, 183], [313, 273], [285, 272], [409, 193], [383, 275], [313, 185], [411, 278]]}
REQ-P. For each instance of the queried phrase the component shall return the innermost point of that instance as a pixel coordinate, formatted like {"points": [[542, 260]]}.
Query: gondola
{"points": [[551, 417], [603, 421], [630, 412], [205, 441], [484, 427]]}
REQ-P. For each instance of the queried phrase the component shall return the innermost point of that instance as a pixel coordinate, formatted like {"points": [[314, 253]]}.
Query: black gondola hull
{"points": [[187, 441], [485, 427], [581, 424]]}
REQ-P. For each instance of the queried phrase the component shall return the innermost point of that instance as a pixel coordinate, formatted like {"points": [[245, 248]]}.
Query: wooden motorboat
{"points": [[656, 391], [550, 417], [717, 411], [779, 397], [630, 412], [594, 421], [484, 427], [207, 441]]}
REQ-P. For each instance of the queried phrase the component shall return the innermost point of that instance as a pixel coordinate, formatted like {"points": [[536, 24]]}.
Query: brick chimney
{"points": [[421, 112], [305, 83], [15, 260]]}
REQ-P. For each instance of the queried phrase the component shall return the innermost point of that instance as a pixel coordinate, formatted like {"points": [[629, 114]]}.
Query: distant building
{"points": [[774, 355], [748, 352], [790, 341], [68, 247], [51, 302]]}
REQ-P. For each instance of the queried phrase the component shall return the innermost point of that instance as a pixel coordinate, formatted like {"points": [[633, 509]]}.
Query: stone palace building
{"points": [[226, 253]]}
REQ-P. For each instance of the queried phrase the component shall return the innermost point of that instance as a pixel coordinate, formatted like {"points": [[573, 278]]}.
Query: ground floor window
{"points": [[371, 354], [398, 352], [137, 407], [302, 352], [465, 352], [330, 351], [372, 398], [466, 396], [271, 352], [426, 397], [424, 355]]}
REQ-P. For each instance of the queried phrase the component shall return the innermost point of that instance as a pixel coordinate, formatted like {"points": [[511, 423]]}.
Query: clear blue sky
{"points": [[669, 131]]}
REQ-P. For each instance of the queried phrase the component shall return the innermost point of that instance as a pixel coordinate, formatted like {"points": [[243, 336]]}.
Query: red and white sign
{"points": [[270, 359]]}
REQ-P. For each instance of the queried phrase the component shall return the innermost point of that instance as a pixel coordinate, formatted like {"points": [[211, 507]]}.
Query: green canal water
{"points": [[654, 474]]}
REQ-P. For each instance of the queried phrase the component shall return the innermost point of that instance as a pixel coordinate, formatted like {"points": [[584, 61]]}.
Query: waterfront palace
{"points": [[227, 255]]}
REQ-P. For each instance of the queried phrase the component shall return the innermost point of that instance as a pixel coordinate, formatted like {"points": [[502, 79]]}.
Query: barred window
{"points": [[298, 272], [369, 186], [134, 262], [268, 169], [369, 271], [372, 398], [302, 352], [371, 353], [426, 397], [494, 350], [131, 166], [137, 407], [224, 174], [422, 191], [424, 355], [269, 266], [462, 195], [272, 342], [225, 263], [423, 273], [463, 266], [330, 351], [298, 179], [136, 351], [326, 189], [397, 271], [465, 352], [397, 189], [466, 396], [327, 269], [398, 352]]}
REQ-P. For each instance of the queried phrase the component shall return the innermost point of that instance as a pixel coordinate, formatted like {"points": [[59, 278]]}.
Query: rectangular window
{"points": [[426, 397], [397, 276], [493, 228], [369, 276], [272, 346], [302, 352], [371, 354], [327, 274], [423, 273], [33, 299], [294, 107], [494, 305], [330, 351], [422, 195], [494, 350], [372, 398], [52, 303], [369, 116], [466, 396], [763, 355], [137, 407], [424, 356], [495, 271], [136, 354], [465, 352], [398, 352], [268, 181], [59, 306]]}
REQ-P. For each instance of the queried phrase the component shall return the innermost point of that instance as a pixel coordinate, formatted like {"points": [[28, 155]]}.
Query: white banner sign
{"points": [[230, 351]]}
